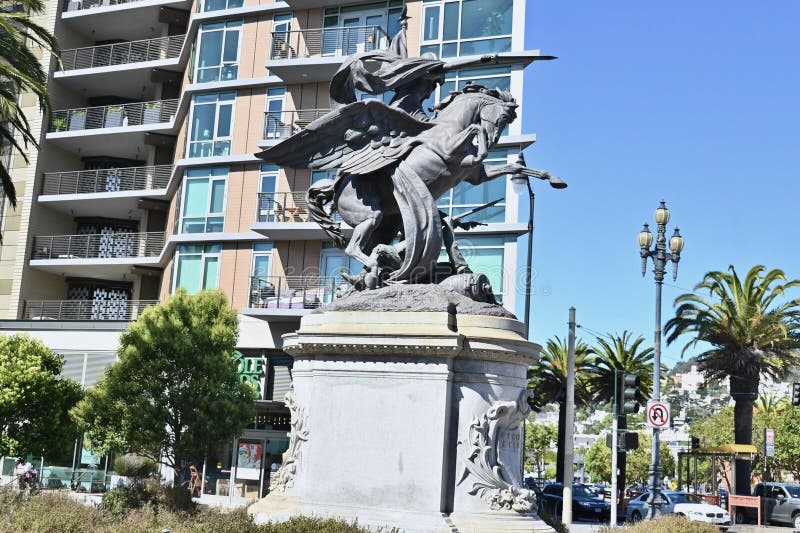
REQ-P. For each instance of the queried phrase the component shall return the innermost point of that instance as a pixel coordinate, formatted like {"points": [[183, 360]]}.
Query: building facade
{"points": [[146, 178]]}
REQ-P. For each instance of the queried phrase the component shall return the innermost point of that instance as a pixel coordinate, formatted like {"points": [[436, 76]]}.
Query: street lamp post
{"points": [[521, 182], [660, 257]]}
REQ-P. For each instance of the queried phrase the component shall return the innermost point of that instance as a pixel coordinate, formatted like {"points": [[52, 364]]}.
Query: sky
{"points": [[693, 102]]}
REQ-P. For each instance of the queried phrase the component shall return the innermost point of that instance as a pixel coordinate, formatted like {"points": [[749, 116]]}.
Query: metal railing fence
{"points": [[337, 41], [107, 180], [292, 292], [122, 53], [99, 245], [85, 309], [113, 116], [283, 124]]}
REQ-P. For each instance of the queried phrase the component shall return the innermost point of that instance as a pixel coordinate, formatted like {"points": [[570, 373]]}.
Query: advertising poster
{"points": [[248, 464]]}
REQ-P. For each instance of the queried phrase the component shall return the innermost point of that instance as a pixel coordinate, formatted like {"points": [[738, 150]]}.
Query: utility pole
{"points": [[614, 447], [569, 444]]}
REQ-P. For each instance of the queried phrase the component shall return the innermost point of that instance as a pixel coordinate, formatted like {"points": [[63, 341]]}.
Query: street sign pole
{"points": [[614, 446]]}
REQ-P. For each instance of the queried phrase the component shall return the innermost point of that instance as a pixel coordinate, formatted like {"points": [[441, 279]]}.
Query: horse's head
{"points": [[491, 108]]}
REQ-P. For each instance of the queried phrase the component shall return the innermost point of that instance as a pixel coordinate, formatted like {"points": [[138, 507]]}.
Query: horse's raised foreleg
{"points": [[471, 131]]}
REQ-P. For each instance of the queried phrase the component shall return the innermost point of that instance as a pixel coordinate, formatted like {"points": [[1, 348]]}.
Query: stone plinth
{"points": [[407, 419]]}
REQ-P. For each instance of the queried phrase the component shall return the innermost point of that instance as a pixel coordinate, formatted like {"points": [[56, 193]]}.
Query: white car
{"points": [[680, 503], [703, 512]]}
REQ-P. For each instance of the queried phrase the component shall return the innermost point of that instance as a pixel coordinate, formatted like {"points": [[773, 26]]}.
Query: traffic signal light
{"points": [[695, 442], [795, 393], [631, 440], [630, 387]]}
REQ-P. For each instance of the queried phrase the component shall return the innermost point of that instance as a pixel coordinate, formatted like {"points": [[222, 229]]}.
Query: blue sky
{"points": [[696, 103]]}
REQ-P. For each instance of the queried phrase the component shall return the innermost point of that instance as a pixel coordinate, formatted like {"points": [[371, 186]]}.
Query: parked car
{"points": [[681, 503], [780, 503], [585, 503]]}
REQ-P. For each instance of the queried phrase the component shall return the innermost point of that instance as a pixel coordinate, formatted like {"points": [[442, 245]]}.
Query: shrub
{"points": [[665, 524], [118, 501], [132, 465], [174, 499]]}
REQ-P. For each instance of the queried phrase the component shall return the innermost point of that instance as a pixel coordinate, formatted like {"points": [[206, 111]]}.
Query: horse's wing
{"points": [[367, 129]]}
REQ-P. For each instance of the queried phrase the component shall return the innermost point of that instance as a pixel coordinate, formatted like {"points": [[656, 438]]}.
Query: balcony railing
{"points": [[284, 207], [283, 124], [107, 180], [113, 116], [77, 5], [338, 41], [292, 292], [98, 246], [86, 309], [122, 53]]}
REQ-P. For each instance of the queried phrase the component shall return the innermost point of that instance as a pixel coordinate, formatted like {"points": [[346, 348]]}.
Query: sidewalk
{"points": [[747, 528]]}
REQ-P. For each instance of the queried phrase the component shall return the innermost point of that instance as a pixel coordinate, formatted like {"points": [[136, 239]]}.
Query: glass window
{"points": [[262, 255], [431, 29], [275, 121], [466, 196], [485, 18], [211, 124], [468, 27], [204, 200], [218, 58], [197, 267], [450, 26], [317, 175], [485, 255], [216, 5]]}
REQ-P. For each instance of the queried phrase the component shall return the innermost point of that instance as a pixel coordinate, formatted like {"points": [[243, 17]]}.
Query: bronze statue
{"points": [[394, 161]]}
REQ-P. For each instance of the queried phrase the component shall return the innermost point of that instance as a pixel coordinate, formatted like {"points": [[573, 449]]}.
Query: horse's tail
{"points": [[318, 196]]}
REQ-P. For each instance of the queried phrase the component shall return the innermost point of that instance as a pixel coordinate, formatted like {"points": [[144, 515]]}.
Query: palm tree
{"points": [[20, 71], [548, 381], [621, 353], [750, 333], [769, 404]]}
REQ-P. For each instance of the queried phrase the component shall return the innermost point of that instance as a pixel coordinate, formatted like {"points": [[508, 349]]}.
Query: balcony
{"points": [[284, 215], [314, 55], [125, 53], [113, 116], [282, 124], [122, 127], [85, 309], [291, 295], [107, 20], [116, 245], [108, 256], [107, 180], [104, 192]]}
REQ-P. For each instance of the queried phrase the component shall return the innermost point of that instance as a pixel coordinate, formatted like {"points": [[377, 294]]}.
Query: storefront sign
{"points": [[248, 464], [252, 370]]}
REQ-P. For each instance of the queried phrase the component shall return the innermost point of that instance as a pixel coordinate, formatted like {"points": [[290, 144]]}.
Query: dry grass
{"points": [[57, 513], [665, 524]]}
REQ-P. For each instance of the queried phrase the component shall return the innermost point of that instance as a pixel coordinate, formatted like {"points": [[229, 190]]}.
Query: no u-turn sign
{"points": [[658, 415]]}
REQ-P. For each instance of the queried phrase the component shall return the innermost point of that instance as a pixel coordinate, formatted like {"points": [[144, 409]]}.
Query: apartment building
{"points": [[146, 181]]}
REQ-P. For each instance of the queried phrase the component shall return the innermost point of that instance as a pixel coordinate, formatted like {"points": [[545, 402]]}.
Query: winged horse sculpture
{"points": [[391, 169]]}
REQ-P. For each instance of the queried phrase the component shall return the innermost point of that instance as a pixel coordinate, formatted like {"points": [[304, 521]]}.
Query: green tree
{"points": [[787, 441], [174, 393], [20, 72], [621, 353], [598, 461], [548, 381], [750, 335], [34, 401], [539, 439]]}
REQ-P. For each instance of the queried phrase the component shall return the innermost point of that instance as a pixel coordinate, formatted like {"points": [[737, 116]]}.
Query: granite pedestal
{"points": [[407, 420]]}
